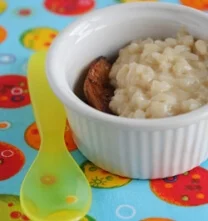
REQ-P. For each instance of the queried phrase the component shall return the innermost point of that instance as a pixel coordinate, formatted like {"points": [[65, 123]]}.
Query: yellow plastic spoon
{"points": [[54, 189]]}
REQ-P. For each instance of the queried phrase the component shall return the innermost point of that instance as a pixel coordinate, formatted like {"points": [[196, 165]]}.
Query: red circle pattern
{"points": [[69, 7], [13, 91]]}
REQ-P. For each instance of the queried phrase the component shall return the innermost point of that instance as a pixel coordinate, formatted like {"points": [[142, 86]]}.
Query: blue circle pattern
{"points": [[7, 58]]}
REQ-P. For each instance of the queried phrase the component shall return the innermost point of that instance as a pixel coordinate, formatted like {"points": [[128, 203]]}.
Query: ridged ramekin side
{"points": [[138, 153]]}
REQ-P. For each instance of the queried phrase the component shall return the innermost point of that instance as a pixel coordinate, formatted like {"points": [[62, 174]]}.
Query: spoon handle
{"points": [[49, 112]]}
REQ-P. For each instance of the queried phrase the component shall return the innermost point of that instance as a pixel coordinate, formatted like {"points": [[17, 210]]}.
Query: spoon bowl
{"points": [[55, 188]]}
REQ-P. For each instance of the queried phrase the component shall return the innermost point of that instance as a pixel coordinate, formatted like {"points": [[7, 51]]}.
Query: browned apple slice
{"points": [[97, 88]]}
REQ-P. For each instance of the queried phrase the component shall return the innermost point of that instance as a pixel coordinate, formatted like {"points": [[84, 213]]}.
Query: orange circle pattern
{"points": [[4, 125], [3, 34], [32, 137], [48, 179], [198, 4]]}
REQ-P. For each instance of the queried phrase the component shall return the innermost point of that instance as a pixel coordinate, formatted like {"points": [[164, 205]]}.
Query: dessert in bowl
{"points": [[139, 143]]}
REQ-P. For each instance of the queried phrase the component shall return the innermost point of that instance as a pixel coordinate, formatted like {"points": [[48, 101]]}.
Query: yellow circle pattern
{"points": [[3, 6], [38, 38], [99, 178]]}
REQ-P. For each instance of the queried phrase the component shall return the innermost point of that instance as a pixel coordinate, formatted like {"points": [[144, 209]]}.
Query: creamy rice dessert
{"points": [[160, 78]]}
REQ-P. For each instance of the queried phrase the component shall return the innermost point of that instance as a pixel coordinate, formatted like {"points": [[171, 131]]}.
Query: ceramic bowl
{"points": [[146, 148]]}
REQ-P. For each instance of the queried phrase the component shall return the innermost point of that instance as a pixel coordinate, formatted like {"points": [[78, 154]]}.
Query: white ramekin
{"points": [[153, 148]]}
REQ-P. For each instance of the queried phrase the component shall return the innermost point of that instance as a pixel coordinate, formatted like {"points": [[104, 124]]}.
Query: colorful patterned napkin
{"points": [[28, 26]]}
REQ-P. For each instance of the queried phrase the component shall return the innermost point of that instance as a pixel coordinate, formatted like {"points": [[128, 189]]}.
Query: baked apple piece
{"points": [[97, 88]]}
